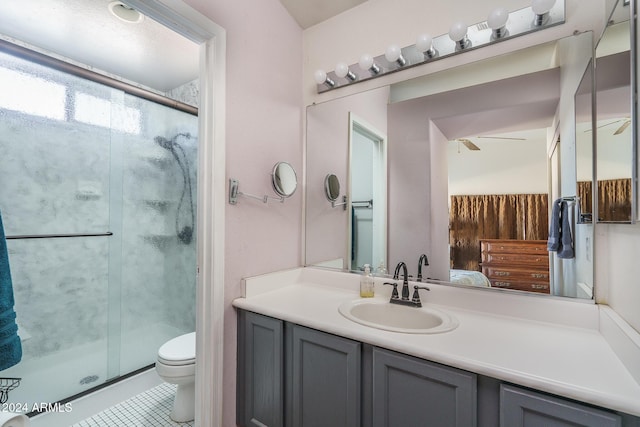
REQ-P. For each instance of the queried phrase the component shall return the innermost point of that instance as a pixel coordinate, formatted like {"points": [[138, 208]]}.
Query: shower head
{"points": [[169, 144], [163, 142]]}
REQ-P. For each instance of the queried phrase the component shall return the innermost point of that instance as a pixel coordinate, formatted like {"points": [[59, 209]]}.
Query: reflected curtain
{"points": [[586, 198], [493, 216], [614, 200]]}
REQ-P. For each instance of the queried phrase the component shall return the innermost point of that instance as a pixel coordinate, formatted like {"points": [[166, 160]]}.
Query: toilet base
{"points": [[184, 403]]}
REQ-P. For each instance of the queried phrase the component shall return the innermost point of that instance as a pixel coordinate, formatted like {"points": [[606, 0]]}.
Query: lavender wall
{"points": [[264, 126]]}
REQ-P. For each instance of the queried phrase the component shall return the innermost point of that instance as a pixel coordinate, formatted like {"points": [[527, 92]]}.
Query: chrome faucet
{"points": [[405, 280], [404, 300], [425, 261]]}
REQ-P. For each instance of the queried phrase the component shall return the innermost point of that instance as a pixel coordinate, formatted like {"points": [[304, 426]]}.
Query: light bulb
{"points": [[394, 54], [320, 76], [366, 64], [497, 21], [458, 33], [498, 18], [342, 71], [424, 44], [540, 7]]}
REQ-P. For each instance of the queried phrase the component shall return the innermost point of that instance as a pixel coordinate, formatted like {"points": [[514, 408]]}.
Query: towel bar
{"points": [[57, 236]]}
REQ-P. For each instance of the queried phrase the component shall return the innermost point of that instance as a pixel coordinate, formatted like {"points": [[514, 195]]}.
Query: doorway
{"points": [[367, 198]]}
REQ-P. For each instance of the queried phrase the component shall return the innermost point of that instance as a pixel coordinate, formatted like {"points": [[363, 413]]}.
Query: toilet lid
{"points": [[180, 349]]}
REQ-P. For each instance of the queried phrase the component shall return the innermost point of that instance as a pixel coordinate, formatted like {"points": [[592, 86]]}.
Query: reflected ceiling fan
{"points": [[625, 124], [467, 143], [473, 147]]}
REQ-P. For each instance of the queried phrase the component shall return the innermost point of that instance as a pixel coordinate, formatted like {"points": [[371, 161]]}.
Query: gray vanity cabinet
{"points": [[293, 376], [413, 392], [323, 378], [525, 408], [260, 385]]}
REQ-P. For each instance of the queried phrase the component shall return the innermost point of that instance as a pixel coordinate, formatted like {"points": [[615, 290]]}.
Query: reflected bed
{"points": [[469, 278]]}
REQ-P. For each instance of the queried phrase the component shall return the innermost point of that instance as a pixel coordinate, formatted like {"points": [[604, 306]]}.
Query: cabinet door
{"points": [[412, 392], [524, 408], [260, 396], [324, 372]]}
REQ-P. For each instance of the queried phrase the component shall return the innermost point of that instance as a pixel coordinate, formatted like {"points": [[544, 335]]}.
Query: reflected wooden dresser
{"points": [[516, 264]]}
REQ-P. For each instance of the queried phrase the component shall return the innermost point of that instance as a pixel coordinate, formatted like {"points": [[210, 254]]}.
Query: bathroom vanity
{"points": [[302, 363]]}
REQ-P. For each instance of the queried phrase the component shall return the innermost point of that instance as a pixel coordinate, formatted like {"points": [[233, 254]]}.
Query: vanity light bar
{"points": [[519, 23]]}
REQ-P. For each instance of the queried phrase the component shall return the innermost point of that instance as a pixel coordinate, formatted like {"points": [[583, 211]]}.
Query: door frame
{"points": [[183, 19]]}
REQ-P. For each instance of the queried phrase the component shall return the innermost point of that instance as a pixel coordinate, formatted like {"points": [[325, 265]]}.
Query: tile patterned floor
{"points": [[148, 409]]}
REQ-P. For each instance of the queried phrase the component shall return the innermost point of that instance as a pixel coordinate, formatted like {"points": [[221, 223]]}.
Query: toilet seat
{"points": [[179, 351]]}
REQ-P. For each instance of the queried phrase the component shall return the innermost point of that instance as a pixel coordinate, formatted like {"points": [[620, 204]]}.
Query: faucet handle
{"points": [[416, 296], [394, 293]]}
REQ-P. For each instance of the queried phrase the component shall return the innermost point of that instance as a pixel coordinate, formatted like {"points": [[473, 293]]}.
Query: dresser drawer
{"points": [[515, 274], [521, 286], [494, 258], [514, 246]]}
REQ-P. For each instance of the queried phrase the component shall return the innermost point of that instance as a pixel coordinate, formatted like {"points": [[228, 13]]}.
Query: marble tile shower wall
{"points": [[57, 177]]}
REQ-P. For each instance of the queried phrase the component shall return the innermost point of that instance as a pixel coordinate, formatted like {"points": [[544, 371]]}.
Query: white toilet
{"points": [[177, 365]]}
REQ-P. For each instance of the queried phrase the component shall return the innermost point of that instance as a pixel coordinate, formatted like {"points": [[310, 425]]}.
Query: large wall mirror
{"points": [[616, 183], [471, 154]]}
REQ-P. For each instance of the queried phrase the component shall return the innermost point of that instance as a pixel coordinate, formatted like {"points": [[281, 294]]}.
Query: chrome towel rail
{"points": [[57, 236]]}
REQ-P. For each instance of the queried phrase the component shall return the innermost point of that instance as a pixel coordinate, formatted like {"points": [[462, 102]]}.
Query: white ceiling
{"points": [[86, 32], [310, 12], [145, 53]]}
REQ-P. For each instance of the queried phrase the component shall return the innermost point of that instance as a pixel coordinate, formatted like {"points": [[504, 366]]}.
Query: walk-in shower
{"points": [[97, 193]]}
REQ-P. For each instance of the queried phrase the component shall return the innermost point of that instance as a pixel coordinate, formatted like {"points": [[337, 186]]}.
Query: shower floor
{"points": [[148, 409], [69, 372]]}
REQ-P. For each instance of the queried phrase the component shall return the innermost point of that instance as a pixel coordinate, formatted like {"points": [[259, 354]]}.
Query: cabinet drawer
{"points": [[525, 408]]}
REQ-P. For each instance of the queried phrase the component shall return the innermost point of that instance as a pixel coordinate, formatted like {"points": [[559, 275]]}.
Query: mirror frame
{"points": [[331, 181], [276, 180]]}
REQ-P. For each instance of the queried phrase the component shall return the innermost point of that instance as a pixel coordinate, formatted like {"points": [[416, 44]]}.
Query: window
{"points": [[31, 95], [101, 112]]}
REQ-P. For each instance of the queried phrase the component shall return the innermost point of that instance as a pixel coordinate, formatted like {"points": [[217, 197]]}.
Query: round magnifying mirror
{"points": [[284, 179], [332, 187]]}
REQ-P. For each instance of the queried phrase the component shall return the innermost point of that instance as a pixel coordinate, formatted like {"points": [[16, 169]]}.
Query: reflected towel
{"points": [[566, 241], [10, 346], [560, 239], [553, 244]]}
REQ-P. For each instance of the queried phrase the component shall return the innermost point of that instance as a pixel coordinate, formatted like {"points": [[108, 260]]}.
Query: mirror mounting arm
{"points": [[343, 203], [234, 192]]}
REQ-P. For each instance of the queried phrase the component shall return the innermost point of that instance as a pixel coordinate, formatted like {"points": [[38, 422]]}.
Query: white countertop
{"points": [[544, 343]]}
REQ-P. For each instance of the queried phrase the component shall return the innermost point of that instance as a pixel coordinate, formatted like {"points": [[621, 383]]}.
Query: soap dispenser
{"points": [[366, 283]]}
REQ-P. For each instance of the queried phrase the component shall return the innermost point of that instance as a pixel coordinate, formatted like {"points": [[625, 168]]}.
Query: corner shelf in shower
{"points": [[161, 161], [159, 204], [160, 241]]}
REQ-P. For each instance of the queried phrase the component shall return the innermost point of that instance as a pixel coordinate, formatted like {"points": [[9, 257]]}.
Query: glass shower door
{"points": [[54, 197], [98, 202]]}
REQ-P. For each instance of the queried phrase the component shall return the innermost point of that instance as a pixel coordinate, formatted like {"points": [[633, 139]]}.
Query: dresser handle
{"points": [[502, 284], [534, 286], [501, 273], [538, 275]]}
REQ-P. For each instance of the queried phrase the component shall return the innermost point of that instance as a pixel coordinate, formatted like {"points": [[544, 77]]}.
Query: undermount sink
{"points": [[379, 313]]}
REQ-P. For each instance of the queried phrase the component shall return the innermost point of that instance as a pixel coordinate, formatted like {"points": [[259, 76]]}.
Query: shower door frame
{"points": [[181, 18]]}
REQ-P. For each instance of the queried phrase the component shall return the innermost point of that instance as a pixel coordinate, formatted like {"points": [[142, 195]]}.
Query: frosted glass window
{"points": [[97, 111], [31, 95]]}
